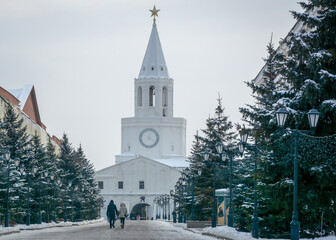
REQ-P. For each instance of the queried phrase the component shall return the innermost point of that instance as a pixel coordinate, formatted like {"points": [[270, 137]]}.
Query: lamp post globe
{"points": [[206, 154], [219, 147], [199, 171], [21, 169], [313, 117], [224, 156], [243, 135], [281, 116], [17, 162], [7, 155], [241, 148]]}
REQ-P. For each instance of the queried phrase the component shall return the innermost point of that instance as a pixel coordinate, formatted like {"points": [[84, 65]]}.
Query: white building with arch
{"points": [[153, 142]]}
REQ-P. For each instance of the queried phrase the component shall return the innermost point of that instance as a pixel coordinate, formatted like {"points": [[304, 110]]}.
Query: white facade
{"points": [[153, 143], [158, 179]]}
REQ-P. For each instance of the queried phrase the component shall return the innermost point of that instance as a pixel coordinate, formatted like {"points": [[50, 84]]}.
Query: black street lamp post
{"points": [[230, 215], [206, 154], [28, 186], [65, 201], [164, 207], [313, 117], [180, 199], [243, 142], [192, 176], [52, 177], [72, 194], [7, 160], [45, 173], [172, 194], [168, 200]]}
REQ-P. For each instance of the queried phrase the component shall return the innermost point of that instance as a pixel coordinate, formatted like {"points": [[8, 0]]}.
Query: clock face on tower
{"points": [[149, 138]]}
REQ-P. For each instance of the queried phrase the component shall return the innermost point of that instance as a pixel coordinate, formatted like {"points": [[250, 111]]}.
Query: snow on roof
{"points": [[222, 190], [22, 94], [174, 162], [128, 154]]}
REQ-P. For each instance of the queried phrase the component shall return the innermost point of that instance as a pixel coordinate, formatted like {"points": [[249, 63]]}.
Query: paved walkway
{"points": [[142, 230]]}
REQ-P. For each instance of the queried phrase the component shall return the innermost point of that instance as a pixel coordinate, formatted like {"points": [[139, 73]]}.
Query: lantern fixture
{"points": [[313, 117], [21, 169], [7, 155], [243, 135], [206, 154], [281, 116], [241, 147], [219, 147], [17, 162]]}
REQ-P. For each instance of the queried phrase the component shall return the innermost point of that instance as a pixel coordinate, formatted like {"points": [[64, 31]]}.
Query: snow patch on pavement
{"points": [[17, 228], [231, 233]]}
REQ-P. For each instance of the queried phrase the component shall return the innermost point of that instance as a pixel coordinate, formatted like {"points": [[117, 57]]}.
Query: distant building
{"points": [[24, 102], [153, 143]]}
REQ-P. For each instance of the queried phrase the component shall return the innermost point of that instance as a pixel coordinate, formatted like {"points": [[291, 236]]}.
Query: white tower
{"points": [[153, 132]]}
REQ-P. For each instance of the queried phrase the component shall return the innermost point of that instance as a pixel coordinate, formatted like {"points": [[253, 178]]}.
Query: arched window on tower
{"points": [[164, 97], [152, 96], [140, 96]]}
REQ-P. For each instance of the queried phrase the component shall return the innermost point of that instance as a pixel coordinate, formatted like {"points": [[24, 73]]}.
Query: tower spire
{"points": [[154, 64], [154, 13]]}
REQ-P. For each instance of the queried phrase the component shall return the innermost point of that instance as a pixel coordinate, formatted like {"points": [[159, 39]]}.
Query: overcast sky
{"points": [[83, 55]]}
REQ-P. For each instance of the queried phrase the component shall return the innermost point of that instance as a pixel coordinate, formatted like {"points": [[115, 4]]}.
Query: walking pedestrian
{"points": [[122, 214], [112, 213]]}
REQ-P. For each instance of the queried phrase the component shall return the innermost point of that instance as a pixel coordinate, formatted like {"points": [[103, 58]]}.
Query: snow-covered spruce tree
{"points": [[218, 129], [37, 182], [272, 202], [17, 142], [88, 200], [308, 78], [42, 186], [67, 175], [311, 74], [196, 162], [52, 166]]}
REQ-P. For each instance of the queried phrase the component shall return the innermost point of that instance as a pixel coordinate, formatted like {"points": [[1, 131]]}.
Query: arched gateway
{"points": [[141, 211]]}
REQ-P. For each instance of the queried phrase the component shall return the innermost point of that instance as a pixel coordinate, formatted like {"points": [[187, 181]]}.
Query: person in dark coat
{"points": [[112, 213]]}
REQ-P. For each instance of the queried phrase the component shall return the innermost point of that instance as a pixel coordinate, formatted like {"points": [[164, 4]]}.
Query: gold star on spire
{"points": [[154, 13]]}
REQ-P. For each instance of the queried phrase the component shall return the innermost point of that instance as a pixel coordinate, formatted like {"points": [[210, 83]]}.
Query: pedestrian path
{"points": [[134, 230]]}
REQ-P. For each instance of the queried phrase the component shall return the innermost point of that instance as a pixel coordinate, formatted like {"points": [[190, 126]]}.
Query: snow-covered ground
{"points": [[231, 233], [17, 228]]}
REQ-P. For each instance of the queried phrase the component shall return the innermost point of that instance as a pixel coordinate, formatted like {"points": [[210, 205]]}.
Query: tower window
{"points": [[161, 68], [152, 68], [152, 96], [100, 184], [139, 97], [141, 185], [164, 97], [120, 185]]}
